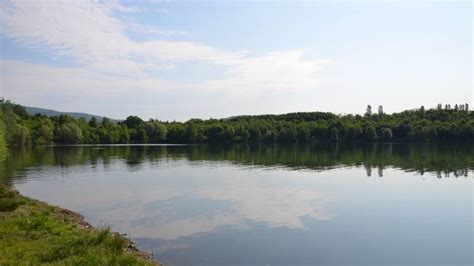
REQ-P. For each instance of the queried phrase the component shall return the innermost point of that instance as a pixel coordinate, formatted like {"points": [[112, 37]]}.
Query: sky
{"points": [[182, 60]]}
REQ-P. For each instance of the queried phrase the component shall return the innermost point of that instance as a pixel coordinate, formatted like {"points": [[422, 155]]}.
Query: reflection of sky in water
{"points": [[224, 214]]}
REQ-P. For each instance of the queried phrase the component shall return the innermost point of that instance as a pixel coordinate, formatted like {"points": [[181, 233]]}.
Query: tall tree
{"points": [[368, 110], [380, 110]]}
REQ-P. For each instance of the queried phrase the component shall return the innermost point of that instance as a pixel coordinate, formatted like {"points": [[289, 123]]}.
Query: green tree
{"points": [[93, 122], [3, 142], [138, 135], [176, 133], [124, 136], [191, 133], [380, 110], [105, 136], [368, 111], [353, 132], [334, 134], [156, 132], [303, 134], [387, 133], [268, 137], [43, 132], [241, 134], [133, 122], [254, 134], [69, 133], [21, 136], [287, 134], [107, 123], [218, 132], [370, 133]]}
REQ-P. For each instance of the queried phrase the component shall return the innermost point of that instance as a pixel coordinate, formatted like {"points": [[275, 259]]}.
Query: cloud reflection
{"points": [[182, 199]]}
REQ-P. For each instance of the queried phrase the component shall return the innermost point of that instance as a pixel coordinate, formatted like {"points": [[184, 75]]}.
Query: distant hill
{"points": [[49, 112]]}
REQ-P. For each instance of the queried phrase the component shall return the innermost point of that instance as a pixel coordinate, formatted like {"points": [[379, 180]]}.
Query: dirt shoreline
{"points": [[84, 225], [25, 221]]}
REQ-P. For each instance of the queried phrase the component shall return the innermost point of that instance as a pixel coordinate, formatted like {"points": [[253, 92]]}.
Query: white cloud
{"points": [[89, 35], [20, 77], [85, 31], [152, 30], [283, 70]]}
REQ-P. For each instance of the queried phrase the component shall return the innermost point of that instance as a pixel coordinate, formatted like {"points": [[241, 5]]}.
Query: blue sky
{"points": [[179, 60]]}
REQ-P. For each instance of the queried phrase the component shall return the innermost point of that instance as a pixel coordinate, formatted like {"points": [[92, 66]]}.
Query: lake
{"points": [[326, 204]]}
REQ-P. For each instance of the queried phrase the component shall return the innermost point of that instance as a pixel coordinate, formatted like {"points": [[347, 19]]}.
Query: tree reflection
{"points": [[439, 159]]}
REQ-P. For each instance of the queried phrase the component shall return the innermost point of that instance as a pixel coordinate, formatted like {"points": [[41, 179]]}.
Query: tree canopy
{"points": [[18, 128]]}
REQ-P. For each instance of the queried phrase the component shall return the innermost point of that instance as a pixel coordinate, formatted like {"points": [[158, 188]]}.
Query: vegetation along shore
{"points": [[444, 122], [33, 232]]}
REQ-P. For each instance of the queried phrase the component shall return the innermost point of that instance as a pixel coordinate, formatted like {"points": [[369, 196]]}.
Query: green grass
{"points": [[32, 233]]}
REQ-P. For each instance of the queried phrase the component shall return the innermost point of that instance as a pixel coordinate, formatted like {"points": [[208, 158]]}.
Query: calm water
{"points": [[391, 204]]}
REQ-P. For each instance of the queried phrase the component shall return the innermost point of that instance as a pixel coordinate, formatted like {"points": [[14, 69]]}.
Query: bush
{"points": [[7, 204]]}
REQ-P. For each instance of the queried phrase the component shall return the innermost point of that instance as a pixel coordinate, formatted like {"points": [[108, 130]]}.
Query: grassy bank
{"points": [[33, 232]]}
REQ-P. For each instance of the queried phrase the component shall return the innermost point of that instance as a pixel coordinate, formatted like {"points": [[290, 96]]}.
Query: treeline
{"points": [[18, 128]]}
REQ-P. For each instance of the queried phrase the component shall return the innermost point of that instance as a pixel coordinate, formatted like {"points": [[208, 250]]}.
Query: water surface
{"points": [[378, 204]]}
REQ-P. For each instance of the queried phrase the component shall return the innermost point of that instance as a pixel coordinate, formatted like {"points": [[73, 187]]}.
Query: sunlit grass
{"points": [[32, 232]]}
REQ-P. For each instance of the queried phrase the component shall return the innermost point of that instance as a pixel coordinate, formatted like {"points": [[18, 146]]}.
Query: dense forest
{"points": [[18, 128]]}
